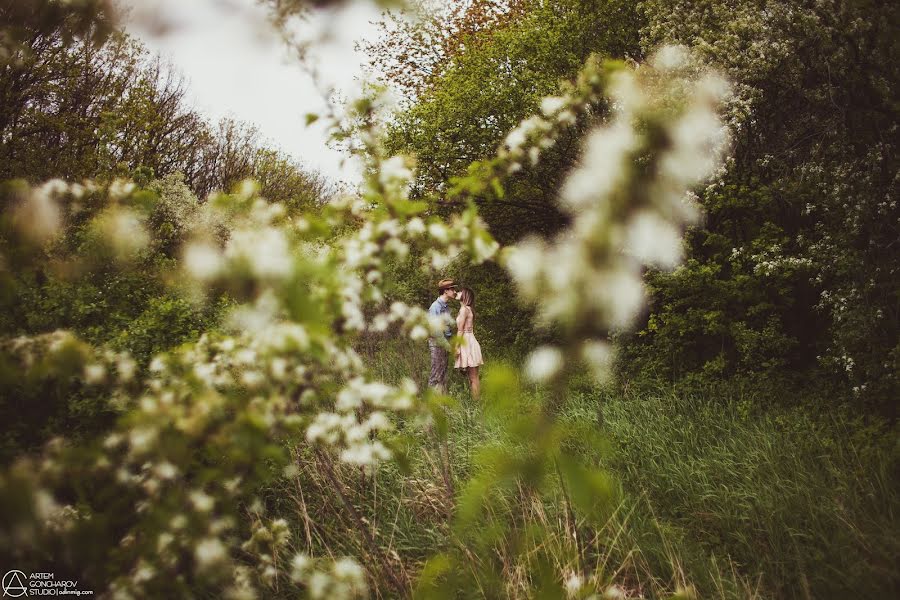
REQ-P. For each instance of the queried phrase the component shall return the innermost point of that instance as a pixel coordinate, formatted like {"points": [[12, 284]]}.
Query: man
{"points": [[440, 308]]}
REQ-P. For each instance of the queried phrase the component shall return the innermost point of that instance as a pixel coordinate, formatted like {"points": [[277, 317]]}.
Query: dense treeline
{"points": [[83, 109], [791, 280], [98, 107]]}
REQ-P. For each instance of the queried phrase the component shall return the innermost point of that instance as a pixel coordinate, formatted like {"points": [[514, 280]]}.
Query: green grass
{"points": [[806, 503], [728, 501]]}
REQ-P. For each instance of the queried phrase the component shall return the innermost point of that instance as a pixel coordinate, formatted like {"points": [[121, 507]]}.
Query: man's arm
{"points": [[448, 321]]}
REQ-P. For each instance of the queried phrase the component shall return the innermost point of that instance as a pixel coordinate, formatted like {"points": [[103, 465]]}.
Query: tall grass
{"points": [[805, 502], [718, 502]]}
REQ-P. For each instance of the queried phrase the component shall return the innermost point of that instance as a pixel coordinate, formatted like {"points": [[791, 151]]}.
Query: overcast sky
{"points": [[237, 66]]}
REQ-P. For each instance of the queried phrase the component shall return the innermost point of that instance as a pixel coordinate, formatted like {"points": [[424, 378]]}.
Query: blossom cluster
{"points": [[588, 279], [281, 371], [270, 376], [772, 260], [39, 213]]}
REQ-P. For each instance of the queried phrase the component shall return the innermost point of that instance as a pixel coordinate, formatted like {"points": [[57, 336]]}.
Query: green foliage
{"points": [[719, 498], [484, 92], [173, 213], [808, 207], [802, 500], [166, 322], [463, 115], [89, 19], [791, 276], [738, 308], [73, 285], [51, 401]]}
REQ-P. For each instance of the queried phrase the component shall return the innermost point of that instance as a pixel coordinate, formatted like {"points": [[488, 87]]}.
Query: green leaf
{"points": [[433, 579], [498, 187], [500, 391], [407, 208], [594, 493]]}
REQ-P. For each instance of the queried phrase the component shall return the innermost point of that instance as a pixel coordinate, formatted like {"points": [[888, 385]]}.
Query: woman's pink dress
{"points": [[469, 352]]}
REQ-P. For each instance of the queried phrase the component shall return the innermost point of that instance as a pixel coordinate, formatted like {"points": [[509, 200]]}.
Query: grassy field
{"points": [[718, 499]]}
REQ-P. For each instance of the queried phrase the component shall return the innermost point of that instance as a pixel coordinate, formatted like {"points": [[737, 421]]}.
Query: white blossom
{"points": [[348, 569], [543, 363], [524, 261], [670, 58], [166, 470], [601, 168], [209, 553], [202, 501], [39, 215], [265, 249], [141, 439], [300, 565], [621, 294], [653, 240], [124, 230], [121, 188], [598, 356], [614, 592], [438, 231], [484, 248], [574, 583], [395, 173], [415, 227], [552, 104], [126, 368], [203, 261], [365, 455], [94, 374]]}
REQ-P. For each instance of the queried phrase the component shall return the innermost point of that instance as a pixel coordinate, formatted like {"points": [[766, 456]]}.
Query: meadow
{"points": [[715, 498]]}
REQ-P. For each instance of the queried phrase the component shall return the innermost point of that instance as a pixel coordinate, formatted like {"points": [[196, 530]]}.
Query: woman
{"points": [[468, 354]]}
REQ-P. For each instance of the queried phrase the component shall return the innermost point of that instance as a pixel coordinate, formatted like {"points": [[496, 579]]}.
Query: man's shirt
{"points": [[440, 309]]}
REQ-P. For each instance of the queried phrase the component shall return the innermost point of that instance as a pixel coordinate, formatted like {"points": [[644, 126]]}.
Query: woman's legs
{"points": [[474, 382]]}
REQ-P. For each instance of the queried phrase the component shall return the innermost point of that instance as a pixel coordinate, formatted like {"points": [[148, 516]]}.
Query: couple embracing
{"points": [[468, 352]]}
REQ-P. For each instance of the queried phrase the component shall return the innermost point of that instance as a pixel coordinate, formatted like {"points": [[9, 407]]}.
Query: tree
{"points": [[25, 20], [79, 109], [57, 98], [808, 205], [416, 46], [496, 76], [493, 78]]}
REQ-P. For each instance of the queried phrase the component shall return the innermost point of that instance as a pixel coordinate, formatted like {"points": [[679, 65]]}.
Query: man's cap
{"points": [[443, 284]]}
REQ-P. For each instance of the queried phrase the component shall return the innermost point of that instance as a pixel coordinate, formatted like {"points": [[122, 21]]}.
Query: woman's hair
{"points": [[467, 297]]}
